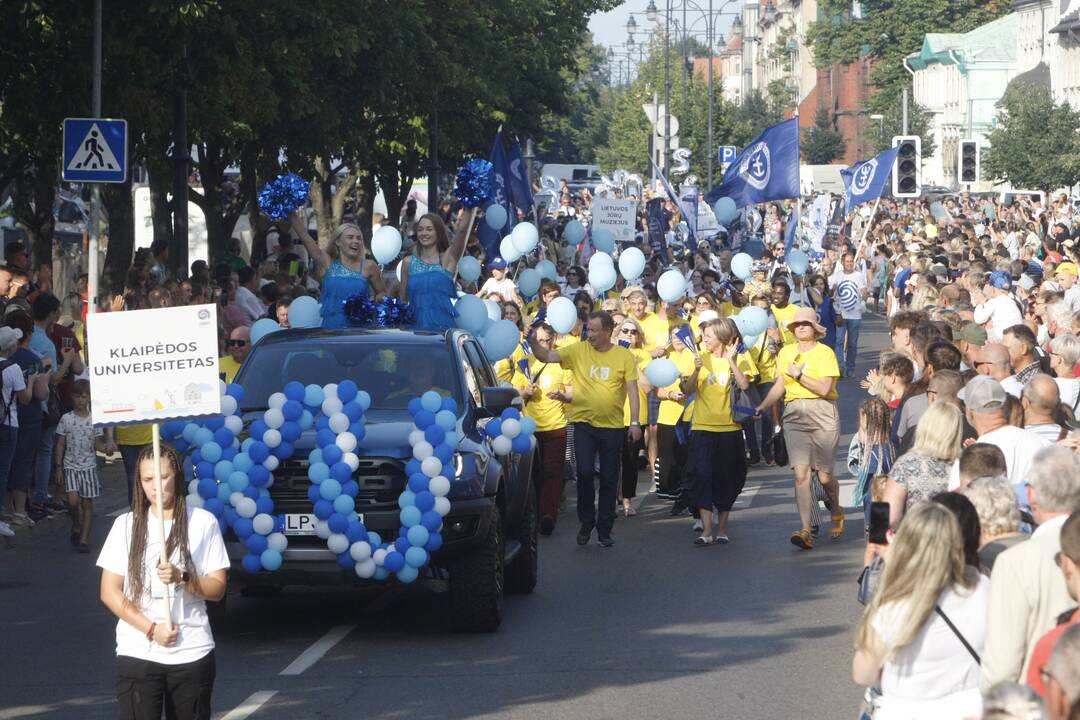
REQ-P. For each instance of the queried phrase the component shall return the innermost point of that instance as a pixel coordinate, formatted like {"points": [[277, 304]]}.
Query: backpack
{"points": [[5, 414]]}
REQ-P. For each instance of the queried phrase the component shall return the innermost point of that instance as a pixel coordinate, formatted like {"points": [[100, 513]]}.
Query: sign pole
{"points": [[92, 270], [158, 493], [866, 230]]}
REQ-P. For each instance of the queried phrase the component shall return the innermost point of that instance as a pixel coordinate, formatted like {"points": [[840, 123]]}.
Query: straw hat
{"points": [[806, 315]]}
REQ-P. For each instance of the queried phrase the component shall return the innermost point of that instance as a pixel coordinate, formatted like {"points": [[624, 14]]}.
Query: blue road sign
{"points": [[727, 153], [95, 150]]}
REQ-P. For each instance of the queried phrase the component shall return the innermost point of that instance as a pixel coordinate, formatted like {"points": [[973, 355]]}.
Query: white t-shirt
{"points": [[848, 293], [1049, 432], [1072, 296], [1019, 447], [1002, 312], [1069, 391], [208, 553], [505, 287], [935, 670], [79, 434], [1012, 386], [13, 382]]}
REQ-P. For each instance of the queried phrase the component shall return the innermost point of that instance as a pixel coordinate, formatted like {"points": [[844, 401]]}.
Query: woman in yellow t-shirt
{"points": [[671, 453], [763, 353], [716, 464], [506, 369], [807, 382], [630, 335]]}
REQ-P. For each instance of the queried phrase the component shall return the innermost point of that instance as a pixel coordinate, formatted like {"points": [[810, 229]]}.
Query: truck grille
{"points": [[381, 482]]}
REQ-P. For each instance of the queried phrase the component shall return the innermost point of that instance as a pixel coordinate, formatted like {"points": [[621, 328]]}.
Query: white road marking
{"points": [[747, 496], [318, 650], [245, 709]]}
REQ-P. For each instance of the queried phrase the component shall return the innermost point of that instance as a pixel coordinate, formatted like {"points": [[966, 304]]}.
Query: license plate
{"points": [[303, 523]]}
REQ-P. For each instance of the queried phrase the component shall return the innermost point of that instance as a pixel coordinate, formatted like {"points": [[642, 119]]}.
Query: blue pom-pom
{"points": [[283, 195], [473, 183]]}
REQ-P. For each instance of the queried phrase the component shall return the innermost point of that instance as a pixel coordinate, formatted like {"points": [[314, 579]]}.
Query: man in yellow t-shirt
{"points": [[603, 375], [545, 389], [239, 345], [783, 311]]}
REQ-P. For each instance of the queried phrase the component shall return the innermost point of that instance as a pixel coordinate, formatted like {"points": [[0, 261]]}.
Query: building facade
{"points": [[1048, 46]]}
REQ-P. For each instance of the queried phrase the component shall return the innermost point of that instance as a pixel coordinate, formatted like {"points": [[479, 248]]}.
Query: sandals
{"points": [[629, 511], [721, 539], [702, 541], [802, 539], [837, 526]]}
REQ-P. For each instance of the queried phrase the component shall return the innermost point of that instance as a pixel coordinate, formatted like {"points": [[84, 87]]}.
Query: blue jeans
{"points": [[850, 329], [24, 463], [9, 438], [590, 442], [44, 470]]}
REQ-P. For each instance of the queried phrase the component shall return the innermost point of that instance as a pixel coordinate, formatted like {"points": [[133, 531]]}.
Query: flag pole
{"points": [[160, 506], [866, 230]]}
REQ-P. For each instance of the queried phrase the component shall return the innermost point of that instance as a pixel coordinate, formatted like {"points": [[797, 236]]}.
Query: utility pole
{"points": [[667, 90], [710, 32], [181, 160], [905, 116], [95, 190]]}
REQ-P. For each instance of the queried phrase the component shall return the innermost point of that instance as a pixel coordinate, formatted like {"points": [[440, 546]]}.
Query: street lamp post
{"points": [[881, 125]]}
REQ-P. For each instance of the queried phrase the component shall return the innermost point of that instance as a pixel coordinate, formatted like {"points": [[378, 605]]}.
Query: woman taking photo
{"points": [[925, 626], [716, 460], [344, 271], [923, 471], [427, 276], [163, 663], [807, 382]]}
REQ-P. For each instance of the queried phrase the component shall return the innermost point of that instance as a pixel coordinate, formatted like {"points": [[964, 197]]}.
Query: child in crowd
{"points": [[75, 463]]}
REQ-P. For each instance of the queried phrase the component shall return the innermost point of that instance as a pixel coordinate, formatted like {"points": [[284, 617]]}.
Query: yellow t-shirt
{"points": [[783, 316], [507, 368], [671, 411], [643, 359], [727, 309], [765, 360], [228, 367], [566, 341], [712, 407], [820, 362], [599, 380], [134, 434], [655, 327], [549, 414]]}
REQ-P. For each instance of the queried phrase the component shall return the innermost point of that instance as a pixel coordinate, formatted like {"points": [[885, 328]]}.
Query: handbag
{"points": [[779, 448], [742, 405], [869, 579]]}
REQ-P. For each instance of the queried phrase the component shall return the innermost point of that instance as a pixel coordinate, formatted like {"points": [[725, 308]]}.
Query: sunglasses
{"points": [[237, 343], [629, 331], [802, 324]]}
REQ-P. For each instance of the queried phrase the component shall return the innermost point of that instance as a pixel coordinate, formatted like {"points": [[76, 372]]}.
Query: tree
{"points": [[754, 115], [1035, 144], [822, 144]]}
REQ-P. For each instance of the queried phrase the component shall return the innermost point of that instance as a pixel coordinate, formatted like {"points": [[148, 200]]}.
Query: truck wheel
{"points": [[522, 573], [215, 612], [476, 582]]}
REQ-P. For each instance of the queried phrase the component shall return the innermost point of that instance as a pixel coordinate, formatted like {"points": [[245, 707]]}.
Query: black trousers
{"points": [[145, 688], [717, 469], [672, 455], [629, 472], [596, 491]]}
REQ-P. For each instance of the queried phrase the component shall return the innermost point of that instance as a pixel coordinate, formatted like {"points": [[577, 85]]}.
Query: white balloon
{"points": [[322, 529], [271, 463], [195, 500], [525, 237], [235, 424], [511, 428], [193, 487], [235, 498], [360, 551], [277, 541], [337, 543], [707, 315], [331, 406], [422, 450], [439, 486], [416, 437], [263, 524], [507, 250], [272, 438], [228, 405], [385, 244], [442, 506], [339, 422], [274, 418], [378, 556], [352, 460], [502, 445], [346, 441], [276, 400], [431, 466], [366, 569], [330, 390], [246, 508]]}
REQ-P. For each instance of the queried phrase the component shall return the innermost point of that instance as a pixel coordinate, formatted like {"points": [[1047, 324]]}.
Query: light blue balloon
{"points": [[495, 217], [524, 237], [315, 456], [452, 438], [671, 286], [271, 559], [725, 210], [750, 341], [797, 261], [223, 492], [407, 498], [211, 452], [494, 310], [562, 315], [529, 282], [661, 372], [189, 432], [307, 420], [329, 489], [471, 313], [500, 341], [469, 269], [406, 574], [203, 436], [528, 425], [631, 263], [603, 240], [343, 504], [757, 320], [318, 471], [602, 277], [416, 556], [238, 481], [385, 244], [547, 270], [304, 312], [574, 232], [262, 328], [410, 516], [418, 536], [446, 420], [243, 462], [223, 470], [314, 395], [431, 400], [741, 265], [507, 250]]}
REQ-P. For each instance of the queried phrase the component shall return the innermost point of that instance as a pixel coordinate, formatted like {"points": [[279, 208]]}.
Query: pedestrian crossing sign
{"points": [[95, 150]]}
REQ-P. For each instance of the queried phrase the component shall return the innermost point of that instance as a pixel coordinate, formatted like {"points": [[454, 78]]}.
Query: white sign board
{"points": [[153, 365], [618, 215]]}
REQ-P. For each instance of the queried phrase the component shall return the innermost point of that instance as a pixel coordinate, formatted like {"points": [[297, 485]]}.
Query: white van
{"points": [[1008, 197]]}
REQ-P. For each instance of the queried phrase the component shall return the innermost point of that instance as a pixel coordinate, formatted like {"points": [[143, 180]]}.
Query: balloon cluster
{"points": [[283, 195], [304, 312], [751, 322], [511, 432], [498, 337], [473, 183], [389, 312]]}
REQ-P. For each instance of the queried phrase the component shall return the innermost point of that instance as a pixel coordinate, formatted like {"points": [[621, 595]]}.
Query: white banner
{"points": [[617, 215], [153, 365]]}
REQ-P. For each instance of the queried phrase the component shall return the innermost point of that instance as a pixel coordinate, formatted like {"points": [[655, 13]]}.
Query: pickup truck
{"points": [[490, 534]]}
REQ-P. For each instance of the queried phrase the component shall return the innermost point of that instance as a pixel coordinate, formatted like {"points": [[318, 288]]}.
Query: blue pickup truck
{"points": [[490, 534]]}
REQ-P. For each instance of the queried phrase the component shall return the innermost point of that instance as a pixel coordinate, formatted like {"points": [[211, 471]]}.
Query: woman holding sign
{"points": [[165, 657]]}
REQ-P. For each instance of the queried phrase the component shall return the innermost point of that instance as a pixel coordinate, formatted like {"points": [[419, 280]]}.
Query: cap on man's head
{"points": [[497, 264], [9, 338], [1067, 268], [974, 334], [1000, 279], [984, 394]]}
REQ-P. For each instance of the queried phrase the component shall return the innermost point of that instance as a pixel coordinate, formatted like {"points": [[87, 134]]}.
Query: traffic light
{"points": [[968, 161], [905, 174]]}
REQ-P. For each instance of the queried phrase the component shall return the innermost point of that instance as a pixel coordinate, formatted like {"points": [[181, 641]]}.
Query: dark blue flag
{"points": [[865, 181], [767, 169], [657, 229], [520, 188], [789, 230]]}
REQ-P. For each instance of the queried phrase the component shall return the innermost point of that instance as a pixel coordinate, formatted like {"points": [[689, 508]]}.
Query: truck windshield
{"points": [[392, 374]]}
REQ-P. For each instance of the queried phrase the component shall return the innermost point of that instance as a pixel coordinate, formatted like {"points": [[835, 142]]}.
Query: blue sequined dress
{"points": [[431, 288], [339, 283]]}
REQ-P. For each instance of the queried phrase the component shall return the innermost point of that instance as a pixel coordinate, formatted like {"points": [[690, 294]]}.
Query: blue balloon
{"points": [[424, 501], [445, 453], [345, 560], [394, 561], [353, 410], [325, 438], [331, 454], [330, 489], [215, 423], [528, 425], [661, 372], [181, 446], [215, 506], [419, 482], [304, 312], [270, 559], [725, 211], [434, 435], [381, 573], [741, 266], [510, 413], [264, 505], [431, 520], [207, 488], [415, 406], [243, 527], [221, 470], [228, 453], [797, 261], [434, 542], [252, 563], [337, 522], [495, 217], [294, 390], [469, 269], [256, 543], [424, 419], [313, 494], [252, 493], [323, 509], [493, 428], [410, 516], [292, 409], [290, 431], [356, 532], [322, 423], [521, 443], [471, 313], [413, 467], [407, 574], [574, 232], [528, 282], [259, 476], [448, 403], [262, 328], [341, 472], [283, 451], [416, 557], [351, 488], [235, 391], [347, 391]]}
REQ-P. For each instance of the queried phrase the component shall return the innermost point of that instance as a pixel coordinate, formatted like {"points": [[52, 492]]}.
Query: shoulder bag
{"points": [[958, 634]]}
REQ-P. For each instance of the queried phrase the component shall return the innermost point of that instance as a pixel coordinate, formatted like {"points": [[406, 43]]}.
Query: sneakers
{"points": [[21, 520], [606, 541], [5, 530], [584, 533], [698, 526]]}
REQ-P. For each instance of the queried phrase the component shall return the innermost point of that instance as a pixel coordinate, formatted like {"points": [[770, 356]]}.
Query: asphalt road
{"points": [[652, 628]]}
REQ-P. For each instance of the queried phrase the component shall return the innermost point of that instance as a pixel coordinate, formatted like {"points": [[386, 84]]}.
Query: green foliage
{"points": [[822, 144], [1035, 145]]}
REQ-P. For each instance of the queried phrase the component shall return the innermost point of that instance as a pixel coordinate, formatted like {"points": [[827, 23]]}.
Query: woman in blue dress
{"points": [[427, 276], [344, 271]]}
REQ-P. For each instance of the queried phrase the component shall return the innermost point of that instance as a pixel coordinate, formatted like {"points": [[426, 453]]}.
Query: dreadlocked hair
{"points": [[874, 417], [140, 512]]}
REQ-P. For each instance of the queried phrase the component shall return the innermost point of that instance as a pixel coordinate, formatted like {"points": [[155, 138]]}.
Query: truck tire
{"points": [[476, 582], [522, 573], [215, 613]]}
